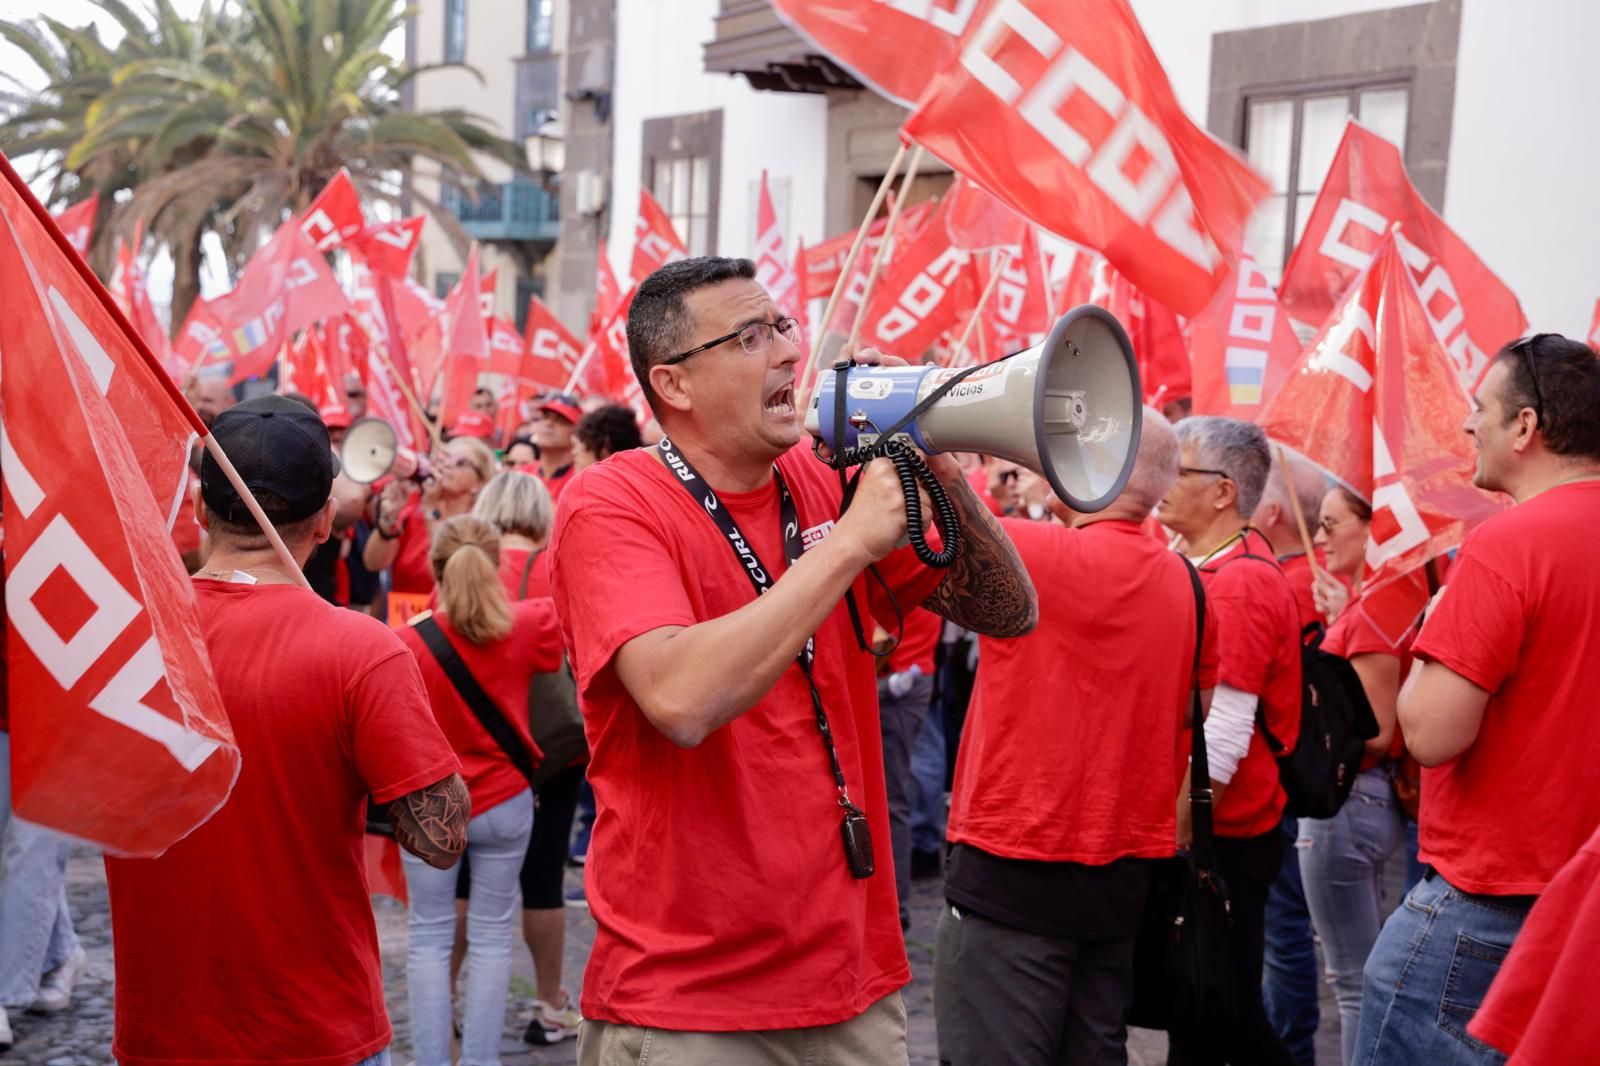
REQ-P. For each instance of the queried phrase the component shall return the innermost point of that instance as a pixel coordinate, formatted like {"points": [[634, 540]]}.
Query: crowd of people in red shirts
{"points": [[760, 786]]}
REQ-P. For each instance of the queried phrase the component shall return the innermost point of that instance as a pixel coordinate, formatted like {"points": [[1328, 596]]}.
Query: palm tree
{"points": [[238, 122]]}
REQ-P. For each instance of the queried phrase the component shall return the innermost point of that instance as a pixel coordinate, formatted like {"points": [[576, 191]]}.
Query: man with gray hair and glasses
{"points": [[1222, 471]]}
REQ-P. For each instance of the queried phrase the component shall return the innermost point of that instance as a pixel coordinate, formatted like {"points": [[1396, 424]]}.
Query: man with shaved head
{"points": [[1065, 784]]}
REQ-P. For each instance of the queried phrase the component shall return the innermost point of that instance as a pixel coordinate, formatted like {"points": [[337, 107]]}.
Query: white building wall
{"points": [[1524, 154], [1524, 181], [661, 72]]}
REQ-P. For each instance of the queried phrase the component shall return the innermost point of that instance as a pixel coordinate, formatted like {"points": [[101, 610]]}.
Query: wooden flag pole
{"points": [[1000, 263], [1299, 512], [411, 398], [44, 219], [808, 376], [883, 247]]}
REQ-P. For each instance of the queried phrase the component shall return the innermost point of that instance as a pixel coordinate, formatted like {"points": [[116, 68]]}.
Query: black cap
{"points": [[279, 447]]}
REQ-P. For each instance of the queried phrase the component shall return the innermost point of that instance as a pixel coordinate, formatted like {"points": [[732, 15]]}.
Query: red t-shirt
{"points": [[1068, 749], [1259, 624], [918, 641], [512, 563], [1352, 634], [252, 940], [1519, 619], [1540, 1009], [716, 875], [411, 571], [503, 669], [554, 482]]}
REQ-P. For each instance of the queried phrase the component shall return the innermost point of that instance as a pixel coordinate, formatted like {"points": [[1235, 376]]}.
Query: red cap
{"points": [[473, 424], [565, 408], [335, 415]]}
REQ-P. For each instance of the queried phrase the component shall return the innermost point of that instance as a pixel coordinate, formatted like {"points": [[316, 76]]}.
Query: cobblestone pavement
{"points": [[83, 1034]]}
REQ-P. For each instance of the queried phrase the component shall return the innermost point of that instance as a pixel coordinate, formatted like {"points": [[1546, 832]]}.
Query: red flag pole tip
{"points": [[254, 508]]}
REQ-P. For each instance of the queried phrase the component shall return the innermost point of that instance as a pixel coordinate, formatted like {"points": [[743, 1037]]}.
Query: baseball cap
{"points": [[564, 405], [335, 415], [473, 424], [278, 446]]}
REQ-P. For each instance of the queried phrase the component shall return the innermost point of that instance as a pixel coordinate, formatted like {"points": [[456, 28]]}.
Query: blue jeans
{"points": [[380, 1059], [927, 782], [1341, 865], [903, 701], [496, 840], [36, 933], [1428, 973], [1289, 967]]}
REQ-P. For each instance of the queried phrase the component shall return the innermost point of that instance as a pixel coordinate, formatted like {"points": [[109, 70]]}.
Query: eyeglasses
{"points": [[1202, 470], [753, 338], [1330, 524], [1008, 476], [355, 394], [1524, 348]]}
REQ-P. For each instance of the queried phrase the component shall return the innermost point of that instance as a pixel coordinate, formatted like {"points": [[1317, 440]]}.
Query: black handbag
{"points": [[1183, 962]]}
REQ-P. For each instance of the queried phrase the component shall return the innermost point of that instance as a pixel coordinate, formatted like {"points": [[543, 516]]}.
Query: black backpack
{"points": [[1336, 721]]}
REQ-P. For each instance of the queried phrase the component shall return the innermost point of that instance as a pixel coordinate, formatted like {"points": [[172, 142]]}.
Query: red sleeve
{"points": [[1361, 637], [1248, 632], [613, 579], [397, 743], [1476, 628], [1210, 654]]}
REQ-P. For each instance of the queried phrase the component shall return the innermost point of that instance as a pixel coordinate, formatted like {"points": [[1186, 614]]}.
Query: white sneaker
{"points": [[6, 1039], [55, 991], [552, 1024]]}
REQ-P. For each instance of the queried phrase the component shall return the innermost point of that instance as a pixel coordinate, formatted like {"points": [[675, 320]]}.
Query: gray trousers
{"points": [[901, 718], [1005, 997]]}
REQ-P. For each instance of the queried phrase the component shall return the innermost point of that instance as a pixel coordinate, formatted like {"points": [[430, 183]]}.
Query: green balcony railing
{"points": [[520, 210]]}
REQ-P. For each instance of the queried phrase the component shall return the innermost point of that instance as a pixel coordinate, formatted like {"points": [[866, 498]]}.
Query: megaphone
{"points": [[371, 450], [1069, 409]]}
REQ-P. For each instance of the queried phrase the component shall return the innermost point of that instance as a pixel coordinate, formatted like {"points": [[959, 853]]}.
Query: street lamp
{"points": [[545, 150]]}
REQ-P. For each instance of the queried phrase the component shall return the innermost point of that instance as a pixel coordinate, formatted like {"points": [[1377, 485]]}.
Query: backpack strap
{"points": [[488, 715], [1200, 798], [527, 568]]}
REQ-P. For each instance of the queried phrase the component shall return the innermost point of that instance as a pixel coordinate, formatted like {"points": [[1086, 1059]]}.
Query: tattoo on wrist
{"points": [[987, 589], [431, 822]]}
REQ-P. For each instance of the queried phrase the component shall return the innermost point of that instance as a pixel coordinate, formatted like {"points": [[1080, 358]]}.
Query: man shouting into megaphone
{"points": [[739, 871]]}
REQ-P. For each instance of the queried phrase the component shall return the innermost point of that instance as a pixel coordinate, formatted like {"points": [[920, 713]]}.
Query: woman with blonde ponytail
{"points": [[502, 645]]}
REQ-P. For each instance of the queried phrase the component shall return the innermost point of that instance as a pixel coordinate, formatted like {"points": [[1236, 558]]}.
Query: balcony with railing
{"points": [[520, 210]]}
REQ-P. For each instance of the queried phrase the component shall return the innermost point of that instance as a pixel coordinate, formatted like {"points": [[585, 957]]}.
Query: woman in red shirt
{"points": [[520, 506], [1341, 858], [501, 645]]}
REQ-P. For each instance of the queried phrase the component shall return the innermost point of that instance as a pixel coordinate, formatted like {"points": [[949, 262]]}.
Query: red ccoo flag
{"points": [[606, 290], [466, 342], [335, 215], [388, 247], [286, 286], [773, 271], [655, 242], [1470, 311], [1241, 347], [548, 355], [118, 735], [1155, 333], [77, 223], [922, 292], [1062, 110], [925, 35], [1375, 401], [132, 295]]}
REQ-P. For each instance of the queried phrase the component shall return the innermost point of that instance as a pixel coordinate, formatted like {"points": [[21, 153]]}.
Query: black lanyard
{"points": [[761, 578]]}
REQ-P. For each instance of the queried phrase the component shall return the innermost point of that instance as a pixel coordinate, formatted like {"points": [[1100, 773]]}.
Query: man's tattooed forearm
{"points": [[987, 589], [431, 822]]}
